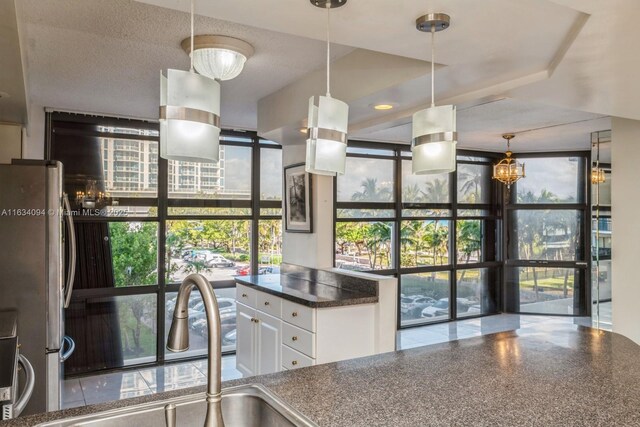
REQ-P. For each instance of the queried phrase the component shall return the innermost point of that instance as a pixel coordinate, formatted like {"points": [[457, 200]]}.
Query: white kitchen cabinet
{"points": [[276, 334], [245, 340]]}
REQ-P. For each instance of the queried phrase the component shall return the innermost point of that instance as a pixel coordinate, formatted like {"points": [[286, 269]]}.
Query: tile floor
{"points": [[115, 386]]}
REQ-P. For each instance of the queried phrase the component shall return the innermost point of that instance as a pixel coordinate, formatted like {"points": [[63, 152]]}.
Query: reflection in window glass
{"points": [[424, 243], [551, 180], [410, 213], [424, 297], [130, 167], [198, 332], [182, 211], [270, 174], [137, 316], [473, 183], [469, 241], [365, 213], [424, 188], [217, 249], [229, 178], [270, 246], [472, 289], [366, 180], [548, 290], [364, 245], [134, 253], [552, 235]]}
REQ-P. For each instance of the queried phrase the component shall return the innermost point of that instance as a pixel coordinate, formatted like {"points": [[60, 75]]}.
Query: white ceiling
{"points": [[556, 66]]}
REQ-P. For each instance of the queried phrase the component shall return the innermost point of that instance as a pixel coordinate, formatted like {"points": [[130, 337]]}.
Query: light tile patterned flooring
{"points": [[122, 385]]}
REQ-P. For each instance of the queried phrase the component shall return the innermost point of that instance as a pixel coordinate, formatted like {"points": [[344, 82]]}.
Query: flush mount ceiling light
{"points": [[508, 170], [327, 121], [218, 57], [189, 115], [434, 129]]}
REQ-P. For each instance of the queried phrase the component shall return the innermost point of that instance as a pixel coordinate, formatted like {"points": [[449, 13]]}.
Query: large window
{"points": [[546, 268], [155, 222], [437, 233]]}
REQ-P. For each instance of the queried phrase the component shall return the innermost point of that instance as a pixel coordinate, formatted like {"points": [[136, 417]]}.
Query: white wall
{"points": [[625, 202], [33, 135], [313, 250], [10, 142]]}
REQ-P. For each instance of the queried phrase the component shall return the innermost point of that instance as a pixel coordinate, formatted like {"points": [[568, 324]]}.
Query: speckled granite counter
{"points": [[566, 376], [310, 293]]}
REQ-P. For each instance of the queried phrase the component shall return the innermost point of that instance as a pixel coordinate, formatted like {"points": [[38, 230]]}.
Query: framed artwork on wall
{"points": [[297, 199]]}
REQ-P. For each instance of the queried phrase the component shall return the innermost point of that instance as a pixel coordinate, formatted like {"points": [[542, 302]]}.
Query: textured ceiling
{"points": [[106, 56]]}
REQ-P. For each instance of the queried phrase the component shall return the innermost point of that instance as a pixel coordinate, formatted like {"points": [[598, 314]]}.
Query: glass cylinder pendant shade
{"points": [[189, 117], [327, 136], [434, 140]]}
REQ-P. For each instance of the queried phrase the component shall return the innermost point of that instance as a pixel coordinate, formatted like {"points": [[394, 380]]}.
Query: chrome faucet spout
{"points": [[178, 340]]}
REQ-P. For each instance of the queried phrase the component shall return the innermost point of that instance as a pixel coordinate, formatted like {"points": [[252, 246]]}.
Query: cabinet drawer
{"points": [[299, 315], [269, 304], [291, 359], [299, 339], [246, 295]]}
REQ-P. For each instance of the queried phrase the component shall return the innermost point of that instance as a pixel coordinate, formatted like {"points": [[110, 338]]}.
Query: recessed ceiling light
{"points": [[303, 130], [383, 107]]}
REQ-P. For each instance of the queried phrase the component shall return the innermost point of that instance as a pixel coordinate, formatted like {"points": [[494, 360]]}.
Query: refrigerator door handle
{"points": [[71, 269], [72, 347], [28, 388]]}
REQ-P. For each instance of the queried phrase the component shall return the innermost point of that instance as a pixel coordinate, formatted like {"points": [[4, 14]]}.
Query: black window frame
{"points": [[88, 125]]}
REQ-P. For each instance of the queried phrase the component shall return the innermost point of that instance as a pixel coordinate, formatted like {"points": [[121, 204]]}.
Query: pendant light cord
{"points": [[192, 1], [328, 51], [433, 67]]}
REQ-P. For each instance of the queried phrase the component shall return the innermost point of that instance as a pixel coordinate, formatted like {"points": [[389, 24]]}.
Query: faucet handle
{"points": [[170, 415]]}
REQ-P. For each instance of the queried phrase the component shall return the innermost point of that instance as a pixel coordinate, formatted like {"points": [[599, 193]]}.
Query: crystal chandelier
{"points": [[189, 114], [327, 121], [433, 145], [508, 170]]}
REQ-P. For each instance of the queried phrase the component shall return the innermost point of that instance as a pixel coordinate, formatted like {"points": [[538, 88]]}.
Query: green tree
{"points": [[469, 240]]}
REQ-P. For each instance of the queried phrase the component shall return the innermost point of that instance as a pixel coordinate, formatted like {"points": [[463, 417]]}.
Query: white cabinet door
{"points": [[269, 339], [245, 340]]}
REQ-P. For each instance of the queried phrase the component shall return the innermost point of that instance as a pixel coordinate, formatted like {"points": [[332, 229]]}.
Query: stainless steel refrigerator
{"points": [[34, 221]]}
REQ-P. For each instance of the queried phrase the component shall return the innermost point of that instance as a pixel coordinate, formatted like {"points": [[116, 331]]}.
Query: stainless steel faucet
{"points": [[179, 340]]}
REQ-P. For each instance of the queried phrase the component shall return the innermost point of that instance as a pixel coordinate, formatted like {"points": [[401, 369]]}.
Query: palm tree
{"points": [[469, 240], [469, 183], [437, 191], [379, 237], [411, 194], [371, 193]]}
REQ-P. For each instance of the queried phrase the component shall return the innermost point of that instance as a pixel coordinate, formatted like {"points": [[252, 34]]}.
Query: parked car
{"points": [[202, 315], [243, 271], [217, 260], [171, 303], [227, 324], [413, 307], [272, 269], [441, 308], [229, 338]]}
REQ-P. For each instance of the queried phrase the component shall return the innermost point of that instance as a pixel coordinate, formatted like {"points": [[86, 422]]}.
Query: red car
{"points": [[243, 271]]}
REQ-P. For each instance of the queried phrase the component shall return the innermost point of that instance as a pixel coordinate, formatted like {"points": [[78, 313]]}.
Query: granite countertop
{"points": [[566, 376], [306, 292]]}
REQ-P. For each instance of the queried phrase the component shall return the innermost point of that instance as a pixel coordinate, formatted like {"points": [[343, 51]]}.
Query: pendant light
{"points": [[508, 170], [327, 120], [433, 145], [189, 114], [218, 57]]}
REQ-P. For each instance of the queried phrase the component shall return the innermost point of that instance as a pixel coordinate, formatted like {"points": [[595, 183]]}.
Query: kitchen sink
{"points": [[242, 406]]}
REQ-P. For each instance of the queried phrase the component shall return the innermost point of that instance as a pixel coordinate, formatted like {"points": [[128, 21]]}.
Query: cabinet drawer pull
{"points": [[294, 338], [294, 314], [266, 303], [244, 295], [294, 362]]}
